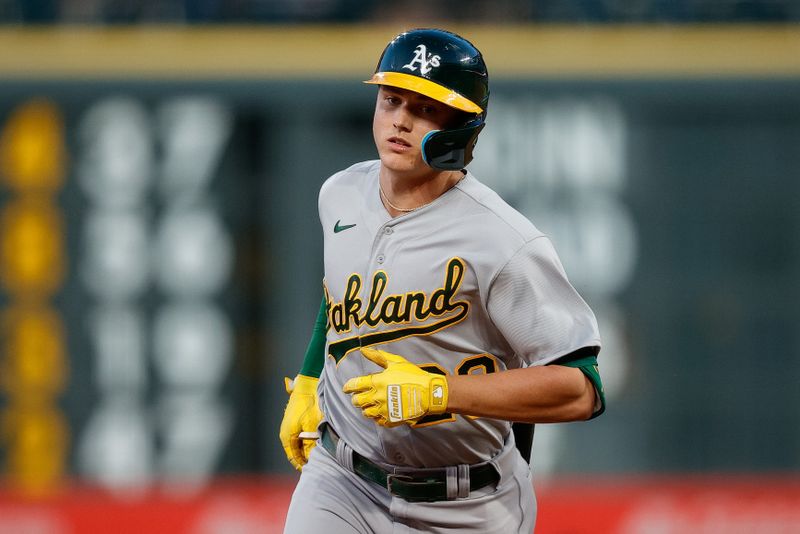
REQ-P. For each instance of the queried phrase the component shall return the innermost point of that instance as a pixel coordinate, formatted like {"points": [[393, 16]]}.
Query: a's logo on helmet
{"points": [[426, 61]]}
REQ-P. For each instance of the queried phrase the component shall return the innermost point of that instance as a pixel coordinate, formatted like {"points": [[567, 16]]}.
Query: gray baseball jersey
{"points": [[463, 285]]}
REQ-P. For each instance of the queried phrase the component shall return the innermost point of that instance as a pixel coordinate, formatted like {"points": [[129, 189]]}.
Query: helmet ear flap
{"points": [[451, 150]]}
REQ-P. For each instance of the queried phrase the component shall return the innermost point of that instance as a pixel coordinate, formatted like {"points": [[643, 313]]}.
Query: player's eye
{"points": [[430, 110]]}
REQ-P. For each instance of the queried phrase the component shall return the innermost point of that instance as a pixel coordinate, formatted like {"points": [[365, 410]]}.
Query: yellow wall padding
{"points": [[308, 52]]}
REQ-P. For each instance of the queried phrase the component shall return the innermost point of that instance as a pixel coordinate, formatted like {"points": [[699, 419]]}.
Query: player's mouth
{"points": [[399, 144]]}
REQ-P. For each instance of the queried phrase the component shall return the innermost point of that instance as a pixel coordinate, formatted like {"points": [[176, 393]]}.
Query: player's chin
{"points": [[404, 162]]}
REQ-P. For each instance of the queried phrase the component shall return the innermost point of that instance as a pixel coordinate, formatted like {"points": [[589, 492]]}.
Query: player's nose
{"points": [[402, 119]]}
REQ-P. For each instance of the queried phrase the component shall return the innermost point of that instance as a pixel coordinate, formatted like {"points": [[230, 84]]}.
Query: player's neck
{"points": [[402, 193]]}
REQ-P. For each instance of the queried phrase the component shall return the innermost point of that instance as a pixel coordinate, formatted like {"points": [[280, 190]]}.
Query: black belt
{"points": [[427, 487]]}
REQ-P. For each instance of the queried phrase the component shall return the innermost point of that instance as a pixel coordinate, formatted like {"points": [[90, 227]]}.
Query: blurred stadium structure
{"points": [[359, 11], [160, 258]]}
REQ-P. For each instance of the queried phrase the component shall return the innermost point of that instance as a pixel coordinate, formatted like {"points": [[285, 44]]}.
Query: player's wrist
{"points": [[306, 385], [438, 393]]}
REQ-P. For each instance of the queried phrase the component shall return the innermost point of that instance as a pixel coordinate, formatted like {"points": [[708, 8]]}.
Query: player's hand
{"points": [[300, 419], [402, 393]]}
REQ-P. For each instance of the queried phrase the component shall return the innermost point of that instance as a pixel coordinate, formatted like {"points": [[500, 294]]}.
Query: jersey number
{"points": [[468, 366]]}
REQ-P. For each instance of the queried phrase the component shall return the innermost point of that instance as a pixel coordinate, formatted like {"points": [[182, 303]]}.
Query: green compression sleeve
{"points": [[587, 363], [315, 352]]}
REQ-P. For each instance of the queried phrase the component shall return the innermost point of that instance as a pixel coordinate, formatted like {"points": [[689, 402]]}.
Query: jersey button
{"points": [[388, 230], [381, 258]]}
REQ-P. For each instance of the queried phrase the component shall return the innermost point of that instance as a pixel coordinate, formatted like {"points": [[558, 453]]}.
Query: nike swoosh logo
{"points": [[337, 228]]}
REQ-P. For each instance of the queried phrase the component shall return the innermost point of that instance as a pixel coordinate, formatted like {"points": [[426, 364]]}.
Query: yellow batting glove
{"points": [[300, 419], [402, 393]]}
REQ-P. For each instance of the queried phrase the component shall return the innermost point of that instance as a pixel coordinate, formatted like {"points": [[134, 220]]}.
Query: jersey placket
{"points": [[386, 245]]}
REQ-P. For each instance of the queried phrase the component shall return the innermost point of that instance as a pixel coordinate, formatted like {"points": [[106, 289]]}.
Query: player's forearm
{"points": [[547, 394], [314, 359]]}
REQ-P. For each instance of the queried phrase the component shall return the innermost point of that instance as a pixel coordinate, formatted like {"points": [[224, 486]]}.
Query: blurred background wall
{"points": [[160, 253]]}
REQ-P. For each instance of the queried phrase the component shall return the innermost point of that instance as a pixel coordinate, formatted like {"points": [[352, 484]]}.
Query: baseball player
{"points": [[446, 317]]}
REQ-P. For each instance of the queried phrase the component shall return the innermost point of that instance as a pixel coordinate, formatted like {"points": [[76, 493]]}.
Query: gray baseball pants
{"points": [[330, 499]]}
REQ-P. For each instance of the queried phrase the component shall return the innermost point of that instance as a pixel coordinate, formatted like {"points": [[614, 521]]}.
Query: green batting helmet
{"points": [[445, 67]]}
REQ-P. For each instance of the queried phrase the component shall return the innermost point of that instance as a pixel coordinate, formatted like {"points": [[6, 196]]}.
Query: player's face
{"points": [[402, 118]]}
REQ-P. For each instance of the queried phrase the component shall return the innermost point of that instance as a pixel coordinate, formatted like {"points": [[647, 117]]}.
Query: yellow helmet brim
{"points": [[425, 87]]}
